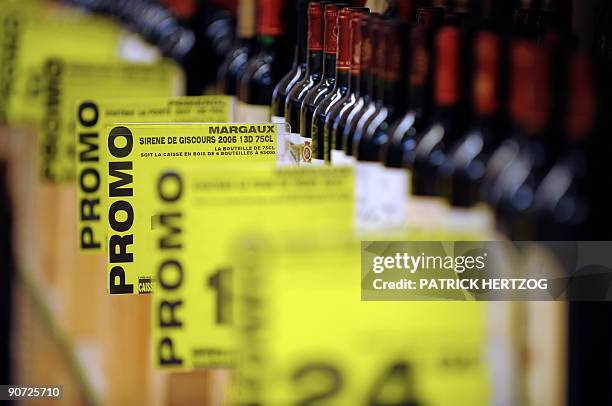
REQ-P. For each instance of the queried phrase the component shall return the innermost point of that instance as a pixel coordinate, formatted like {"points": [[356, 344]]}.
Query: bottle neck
{"points": [[364, 83], [301, 51], [378, 88], [420, 99], [329, 65], [301, 55], [342, 78], [354, 78], [450, 118], [315, 63], [394, 99], [488, 124]]}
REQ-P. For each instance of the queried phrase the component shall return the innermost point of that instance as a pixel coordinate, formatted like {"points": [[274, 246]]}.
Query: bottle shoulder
{"points": [[324, 107], [301, 89], [338, 108], [289, 80], [316, 94]]}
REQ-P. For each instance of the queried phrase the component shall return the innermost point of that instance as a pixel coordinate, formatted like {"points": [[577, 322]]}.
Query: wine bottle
{"points": [[266, 68], [282, 89], [524, 158], [244, 47], [447, 125], [213, 34], [377, 99], [321, 145], [320, 91], [449, 114], [340, 110], [399, 151], [562, 206], [394, 98], [298, 69], [294, 152], [367, 100], [381, 193], [463, 172], [362, 95]]}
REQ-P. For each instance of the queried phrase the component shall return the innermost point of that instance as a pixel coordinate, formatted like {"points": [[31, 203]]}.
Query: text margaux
{"points": [[242, 129]]}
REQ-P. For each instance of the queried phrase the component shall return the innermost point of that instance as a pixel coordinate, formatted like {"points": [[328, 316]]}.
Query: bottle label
{"points": [[338, 157], [282, 156], [249, 113], [427, 214], [479, 221], [93, 117], [368, 216], [381, 198], [393, 191], [299, 149]]}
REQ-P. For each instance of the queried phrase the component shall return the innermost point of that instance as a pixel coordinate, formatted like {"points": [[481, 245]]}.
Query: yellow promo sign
{"points": [[201, 211], [67, 82], [308, 337], [132, 152], [33, 31], [93, 116]]}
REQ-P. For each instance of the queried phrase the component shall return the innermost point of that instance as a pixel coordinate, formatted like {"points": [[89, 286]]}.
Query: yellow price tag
{"points": [[308, 337], [65, 83], [34, 31], [193, 308], [93, 116], [132, 152]]}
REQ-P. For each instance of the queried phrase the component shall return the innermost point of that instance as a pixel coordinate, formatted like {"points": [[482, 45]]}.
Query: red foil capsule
{"points": [[343, 55], [530, 87], [270, 17], [331, 28], [315, 26], [448, 70], [487, 47], [356, 18]]}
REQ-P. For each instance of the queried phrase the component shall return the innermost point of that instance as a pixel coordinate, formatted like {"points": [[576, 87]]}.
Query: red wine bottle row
{"points": [[462, 105]]}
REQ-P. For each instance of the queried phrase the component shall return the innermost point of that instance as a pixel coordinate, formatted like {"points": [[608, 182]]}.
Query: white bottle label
{"points": [[478, 221], [281, 141], [381, 198], [338, 157], [393, 190], [427, 213], [368, 216], [248, 113]]}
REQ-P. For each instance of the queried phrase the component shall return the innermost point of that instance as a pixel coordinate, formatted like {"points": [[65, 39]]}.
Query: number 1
{"points": [[221, 281]]}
